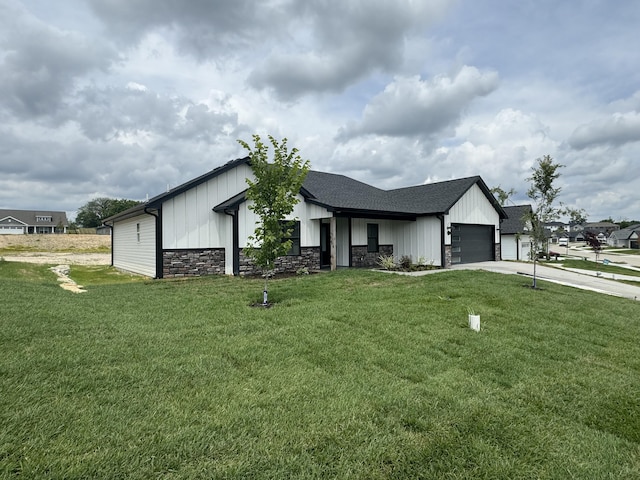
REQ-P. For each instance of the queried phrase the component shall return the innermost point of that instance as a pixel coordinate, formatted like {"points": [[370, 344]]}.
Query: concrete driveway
{"points": [[582, 280]]}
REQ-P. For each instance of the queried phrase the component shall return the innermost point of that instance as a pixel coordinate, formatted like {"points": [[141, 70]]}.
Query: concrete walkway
{"points": [[571, 278]]}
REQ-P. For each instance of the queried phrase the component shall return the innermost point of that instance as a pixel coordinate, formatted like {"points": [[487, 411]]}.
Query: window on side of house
{"points": [[373, 245], [138, 232], [294, 236]]}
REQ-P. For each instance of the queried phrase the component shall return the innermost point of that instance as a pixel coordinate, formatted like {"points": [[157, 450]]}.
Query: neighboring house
{"points": [[32, 221], [555, 226], [202, 226], [514, 234], [625, 238], [604, 228]]}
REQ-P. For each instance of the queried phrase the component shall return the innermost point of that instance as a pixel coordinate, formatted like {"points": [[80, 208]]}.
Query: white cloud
{"points": [[617, 129], [414, 107]]}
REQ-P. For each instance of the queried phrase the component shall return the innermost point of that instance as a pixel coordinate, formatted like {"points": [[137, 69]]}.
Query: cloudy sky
{"points": [[122, 98]]}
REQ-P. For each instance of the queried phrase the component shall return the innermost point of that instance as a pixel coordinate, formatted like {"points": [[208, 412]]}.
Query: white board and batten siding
{"points": [[359, 231], [474, 208], [134, 243], [188, 219], [515, 248], [308, 214], [421, 240]]}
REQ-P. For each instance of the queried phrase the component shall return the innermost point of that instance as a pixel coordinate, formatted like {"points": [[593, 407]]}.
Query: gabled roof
{"points": [[514, 223], [155, 202], [29, 217], [625, 233], [344, 195]]}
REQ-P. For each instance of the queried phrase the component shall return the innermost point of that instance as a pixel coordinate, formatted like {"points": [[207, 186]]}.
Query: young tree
{"points": [[543, 193], [577, 216], [273, 194], [592, 240], [501, 195]]}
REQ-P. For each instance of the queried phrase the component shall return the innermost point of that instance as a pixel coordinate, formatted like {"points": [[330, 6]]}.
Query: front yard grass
{"points": [[352, 374], [598, 267]]}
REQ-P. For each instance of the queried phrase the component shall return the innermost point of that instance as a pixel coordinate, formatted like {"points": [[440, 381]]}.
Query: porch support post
{"points": [[332, 242]]}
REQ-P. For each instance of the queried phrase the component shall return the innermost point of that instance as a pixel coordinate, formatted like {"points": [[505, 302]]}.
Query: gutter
{"points": [[443, 262], [158, 217]]}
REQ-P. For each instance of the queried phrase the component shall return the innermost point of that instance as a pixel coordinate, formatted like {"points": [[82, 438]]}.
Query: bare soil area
{"points": [[57, 249]]}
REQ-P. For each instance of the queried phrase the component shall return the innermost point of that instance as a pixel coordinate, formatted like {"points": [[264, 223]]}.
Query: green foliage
{"points": [[501, 195], [184, 380], [405, 262], [577, 216], [387, 262], [273, 195], [543, 192], [95, 211]]}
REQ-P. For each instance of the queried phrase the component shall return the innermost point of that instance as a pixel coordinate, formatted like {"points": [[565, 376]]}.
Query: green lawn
{"points": [[597, 267], [353, 374]]}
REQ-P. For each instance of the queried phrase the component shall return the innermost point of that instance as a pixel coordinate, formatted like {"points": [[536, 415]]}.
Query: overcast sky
{"points": [[122, 98]]}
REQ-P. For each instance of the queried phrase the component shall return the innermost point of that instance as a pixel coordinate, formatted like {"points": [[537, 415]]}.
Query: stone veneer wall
{"points": [[193, 262], [498, 252], [447, 256], [360, 257], [309, 258]]}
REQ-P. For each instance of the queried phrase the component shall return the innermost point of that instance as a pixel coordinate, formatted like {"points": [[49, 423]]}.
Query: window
{"points": [[138, 232], [42, 218], [294, 236], [372, 238]]}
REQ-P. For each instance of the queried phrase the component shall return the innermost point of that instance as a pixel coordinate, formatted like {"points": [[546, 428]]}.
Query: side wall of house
{"points": [[509, 247], [134, 245], [308, 214], [420, 240], [188, 221]]}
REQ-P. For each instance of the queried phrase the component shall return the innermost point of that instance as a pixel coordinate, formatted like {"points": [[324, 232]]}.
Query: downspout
{"points": [[158, 217], [235, 246], [112, 242], [442, 240]]}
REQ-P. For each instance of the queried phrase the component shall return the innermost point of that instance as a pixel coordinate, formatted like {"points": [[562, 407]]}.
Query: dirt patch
{"points": [[55, 243], [57, 249]]}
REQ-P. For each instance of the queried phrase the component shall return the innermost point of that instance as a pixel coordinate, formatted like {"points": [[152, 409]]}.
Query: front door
{"points": [[325, 245]]}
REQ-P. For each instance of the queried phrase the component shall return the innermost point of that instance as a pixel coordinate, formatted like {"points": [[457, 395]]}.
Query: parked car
{"points": [[563, 242]]}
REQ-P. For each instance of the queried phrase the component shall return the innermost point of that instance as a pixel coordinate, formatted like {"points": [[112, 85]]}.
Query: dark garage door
{"points": [[471, 243]]}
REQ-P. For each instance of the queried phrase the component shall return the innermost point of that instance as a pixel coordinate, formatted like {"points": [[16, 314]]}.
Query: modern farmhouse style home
{"points": [[202, 226], [17, 222]]}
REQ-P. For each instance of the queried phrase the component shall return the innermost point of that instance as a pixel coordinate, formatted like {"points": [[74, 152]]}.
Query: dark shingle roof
{"points": [[514, 222], [339, 193], [28, 217], [625, 233]]}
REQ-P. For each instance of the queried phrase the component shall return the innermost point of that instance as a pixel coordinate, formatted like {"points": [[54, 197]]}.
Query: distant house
{"points": [[600, 227], [515, 241], [32, 221], [202, 226], [625, 238]]}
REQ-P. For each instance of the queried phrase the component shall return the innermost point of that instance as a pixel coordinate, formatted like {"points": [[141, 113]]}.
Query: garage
{"points": [[471, 243], [11, 230]]}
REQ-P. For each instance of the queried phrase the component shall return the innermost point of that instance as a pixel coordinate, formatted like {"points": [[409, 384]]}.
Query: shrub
{"points": [[405, 262], [387, 262]]}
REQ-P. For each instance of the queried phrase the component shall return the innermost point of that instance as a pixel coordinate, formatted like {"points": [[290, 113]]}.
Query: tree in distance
{"points": [[92, 213]]}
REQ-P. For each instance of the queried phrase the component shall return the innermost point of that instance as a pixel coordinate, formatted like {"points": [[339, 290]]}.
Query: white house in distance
{"points": [[514, 234], [14, 222], [625, 238], [202, 226]]}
